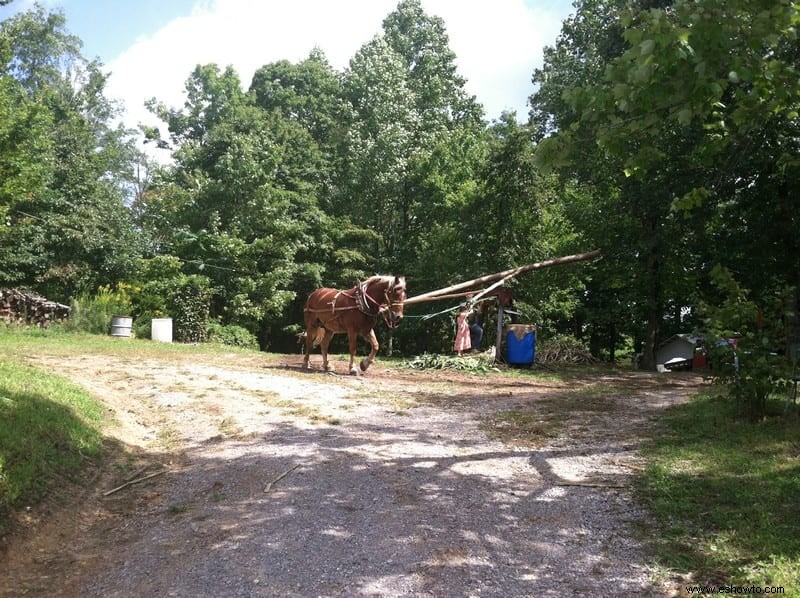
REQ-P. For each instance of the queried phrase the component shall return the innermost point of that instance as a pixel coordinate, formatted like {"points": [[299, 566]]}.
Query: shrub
{"points": [[142, 326], [235, 336], [93, 313], [190, 305], [753, 368]]}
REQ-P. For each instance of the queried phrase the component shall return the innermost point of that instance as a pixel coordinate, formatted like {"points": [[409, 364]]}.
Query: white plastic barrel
{"points": [[161, 330]]}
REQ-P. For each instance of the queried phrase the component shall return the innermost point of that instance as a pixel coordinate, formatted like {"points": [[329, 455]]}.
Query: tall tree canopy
{"points": [[64, 167], [692, 113]]}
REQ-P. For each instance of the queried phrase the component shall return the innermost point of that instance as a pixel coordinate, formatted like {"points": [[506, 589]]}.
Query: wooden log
{"points": [[504, 275], [26, 308]]}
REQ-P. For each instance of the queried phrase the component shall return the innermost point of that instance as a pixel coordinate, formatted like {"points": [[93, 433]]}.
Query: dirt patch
{"points": [[272, 481]]}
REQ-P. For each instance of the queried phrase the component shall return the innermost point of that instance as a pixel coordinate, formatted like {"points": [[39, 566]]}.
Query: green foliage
{"points": [[753, 369], [478, 363], [677, 115], [48, 430], [189, 305], [232, 335], [672, 144], [724, 492], [93, 313], [64, 166]]}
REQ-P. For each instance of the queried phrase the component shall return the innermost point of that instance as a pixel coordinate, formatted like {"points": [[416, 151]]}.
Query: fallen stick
{"points": [[136, 473], [136, 481], [280, 477]]}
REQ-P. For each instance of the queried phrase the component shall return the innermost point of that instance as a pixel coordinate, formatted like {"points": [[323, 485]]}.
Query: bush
{"points": [[142, 326], [93, 314], [753, 368], [235, 336], [190, 305]]}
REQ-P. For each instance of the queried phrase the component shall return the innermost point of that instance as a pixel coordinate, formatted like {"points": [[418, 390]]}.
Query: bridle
{"points": [[366, 303]]}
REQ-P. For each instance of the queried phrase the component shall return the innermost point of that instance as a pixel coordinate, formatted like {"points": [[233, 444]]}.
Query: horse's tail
{"points": [[318, 337]]}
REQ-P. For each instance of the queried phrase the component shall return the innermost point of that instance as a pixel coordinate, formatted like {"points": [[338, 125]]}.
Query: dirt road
{"points": [[274, 482]]}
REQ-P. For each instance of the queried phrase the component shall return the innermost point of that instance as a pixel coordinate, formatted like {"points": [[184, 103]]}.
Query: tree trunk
{"points": [[612, 344], [654, 311]]}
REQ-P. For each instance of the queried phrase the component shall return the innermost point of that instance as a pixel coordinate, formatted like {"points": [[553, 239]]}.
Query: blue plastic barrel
{"points": [[520, 344]]}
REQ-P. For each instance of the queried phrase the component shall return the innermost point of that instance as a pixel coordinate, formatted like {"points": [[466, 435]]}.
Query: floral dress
{"points": [[462, 342]]}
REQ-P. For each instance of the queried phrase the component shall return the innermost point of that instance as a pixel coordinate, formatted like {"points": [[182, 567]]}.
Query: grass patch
{"points": [[15, 341], [229, 426], [725, 495], [546, 417], [48, 430]]}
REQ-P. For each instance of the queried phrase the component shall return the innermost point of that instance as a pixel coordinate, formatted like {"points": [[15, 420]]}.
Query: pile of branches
{"points": [[18, 307], [564, 350], [478, 363]]}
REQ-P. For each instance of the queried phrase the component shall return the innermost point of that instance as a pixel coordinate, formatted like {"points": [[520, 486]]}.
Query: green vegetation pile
{"points": [[477, 363]]}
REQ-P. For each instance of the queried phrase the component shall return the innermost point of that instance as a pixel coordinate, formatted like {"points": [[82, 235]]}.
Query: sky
{"points": [[151, 47]]}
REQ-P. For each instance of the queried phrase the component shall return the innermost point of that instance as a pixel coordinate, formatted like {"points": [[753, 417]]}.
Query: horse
{"points": [[355, 311]]}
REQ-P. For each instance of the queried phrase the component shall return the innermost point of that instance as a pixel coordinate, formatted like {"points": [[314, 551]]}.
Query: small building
{"points": [[678, 352]]}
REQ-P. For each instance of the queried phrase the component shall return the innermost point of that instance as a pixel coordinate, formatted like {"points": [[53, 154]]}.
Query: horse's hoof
{"points": [[328, 368], [363, 365], [353, 372]]}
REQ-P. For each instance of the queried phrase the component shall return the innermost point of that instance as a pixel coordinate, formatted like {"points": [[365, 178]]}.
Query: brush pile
{"points": [[18, 307], [477, 363], [564, 350]]}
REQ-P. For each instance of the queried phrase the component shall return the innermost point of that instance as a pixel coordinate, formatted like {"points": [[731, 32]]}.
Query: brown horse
{"points": [[355, 311]]}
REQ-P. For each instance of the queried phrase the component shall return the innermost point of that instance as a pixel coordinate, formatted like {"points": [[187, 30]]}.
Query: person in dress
{"points": [[463, 342]]}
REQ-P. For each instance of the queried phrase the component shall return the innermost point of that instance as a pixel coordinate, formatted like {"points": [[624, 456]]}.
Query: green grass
{"points": [[16, 342], [726, 495], [48, 430]]}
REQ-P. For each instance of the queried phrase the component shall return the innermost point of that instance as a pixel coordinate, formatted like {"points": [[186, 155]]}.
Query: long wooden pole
{"points": [[506, 274]]}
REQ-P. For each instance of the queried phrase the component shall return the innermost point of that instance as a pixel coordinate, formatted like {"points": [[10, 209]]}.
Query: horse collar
{"points": [[363, 298]]}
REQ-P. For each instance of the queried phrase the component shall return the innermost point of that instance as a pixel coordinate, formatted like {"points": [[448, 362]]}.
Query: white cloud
{"points": [[497, 45]]}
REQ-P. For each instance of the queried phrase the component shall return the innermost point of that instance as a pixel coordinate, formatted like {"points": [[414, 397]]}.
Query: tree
{"points": [[309, 93], [66, 226], [699, 111], [518, 217], [629, 217], [243, 198]]}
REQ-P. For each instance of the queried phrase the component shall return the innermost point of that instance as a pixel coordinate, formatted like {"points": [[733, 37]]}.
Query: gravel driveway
{"points": [[274, 482]]}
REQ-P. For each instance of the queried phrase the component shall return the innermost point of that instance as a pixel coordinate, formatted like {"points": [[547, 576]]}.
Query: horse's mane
{"points": [[388, 279]]}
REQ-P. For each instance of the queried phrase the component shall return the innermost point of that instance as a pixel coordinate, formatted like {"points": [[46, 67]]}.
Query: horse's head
{"points": [[386, 294], [395, 299]]}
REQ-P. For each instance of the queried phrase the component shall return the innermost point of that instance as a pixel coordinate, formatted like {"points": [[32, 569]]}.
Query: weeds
{"points": [[724, 492]]}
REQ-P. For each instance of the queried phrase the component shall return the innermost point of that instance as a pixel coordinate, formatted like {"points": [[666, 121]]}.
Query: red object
{"points": [[700, 361]]}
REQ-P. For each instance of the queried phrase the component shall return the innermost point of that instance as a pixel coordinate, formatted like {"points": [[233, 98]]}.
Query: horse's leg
{"points": [[373, 340], [326, 340], [352, 343]]}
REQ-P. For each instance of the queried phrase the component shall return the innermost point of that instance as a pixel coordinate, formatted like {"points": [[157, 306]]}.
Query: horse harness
{"points": [[363, 300]]}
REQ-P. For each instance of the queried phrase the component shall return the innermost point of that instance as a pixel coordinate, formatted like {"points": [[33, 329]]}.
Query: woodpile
{"points": [[18, 307]]}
